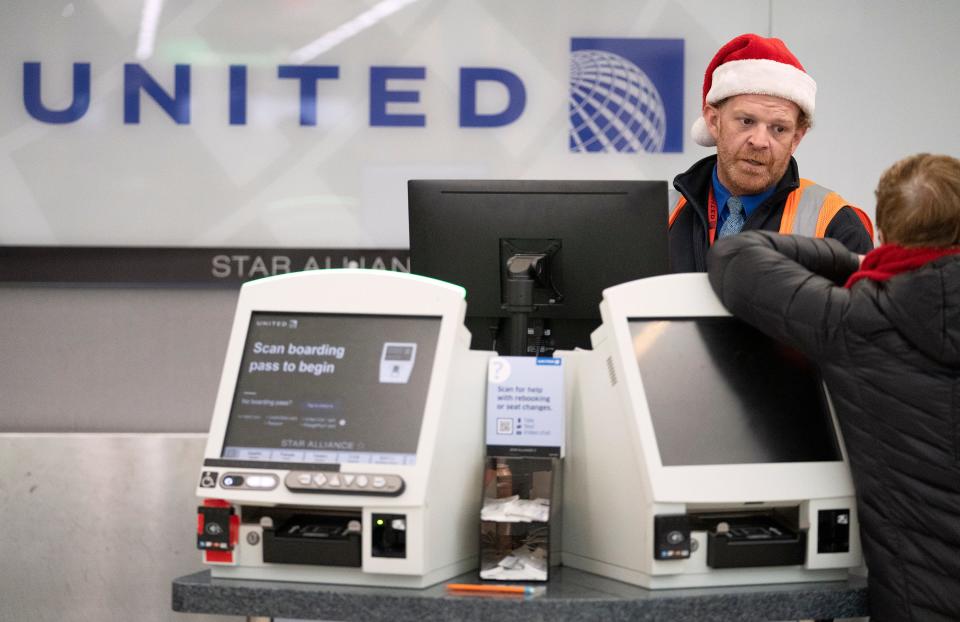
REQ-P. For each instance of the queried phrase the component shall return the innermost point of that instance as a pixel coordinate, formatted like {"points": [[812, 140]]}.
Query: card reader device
{"points": [[700, 451], [345, 440]]}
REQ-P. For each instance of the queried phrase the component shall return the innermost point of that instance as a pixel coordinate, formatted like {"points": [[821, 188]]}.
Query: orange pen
{"points": [[493, 589]]}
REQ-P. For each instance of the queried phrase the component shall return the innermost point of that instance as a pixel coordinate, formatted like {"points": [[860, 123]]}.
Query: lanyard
{"points": [[712, 212]]}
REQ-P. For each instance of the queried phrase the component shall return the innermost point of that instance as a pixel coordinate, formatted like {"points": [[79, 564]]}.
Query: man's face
{"points": [[756, 135]]}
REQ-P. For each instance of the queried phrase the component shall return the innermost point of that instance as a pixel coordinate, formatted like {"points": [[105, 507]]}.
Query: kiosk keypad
{"points": [[363, 483]]}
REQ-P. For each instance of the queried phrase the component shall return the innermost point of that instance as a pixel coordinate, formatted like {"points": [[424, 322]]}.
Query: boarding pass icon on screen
{"points": [[396, 362]]}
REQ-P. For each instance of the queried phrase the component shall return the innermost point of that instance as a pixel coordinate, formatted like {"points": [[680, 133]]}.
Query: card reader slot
{"points": [[749, 539], [316, 539]]}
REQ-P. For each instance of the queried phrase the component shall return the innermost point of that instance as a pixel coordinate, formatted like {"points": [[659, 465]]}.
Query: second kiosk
{"points": [[701, 452]]}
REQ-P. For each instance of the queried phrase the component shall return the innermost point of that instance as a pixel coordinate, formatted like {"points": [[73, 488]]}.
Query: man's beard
{"points": [[760, 177]]}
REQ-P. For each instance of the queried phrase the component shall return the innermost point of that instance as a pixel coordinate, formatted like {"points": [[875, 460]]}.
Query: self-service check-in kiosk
{"points": [[701, 452], [347, 437]]}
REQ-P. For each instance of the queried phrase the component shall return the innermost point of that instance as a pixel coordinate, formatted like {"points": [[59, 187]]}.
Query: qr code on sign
{"points": [[504, 426]]}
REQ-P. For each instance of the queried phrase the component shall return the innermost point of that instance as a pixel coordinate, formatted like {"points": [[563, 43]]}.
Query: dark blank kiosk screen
{"points": [[332, 388], [721, 392]]}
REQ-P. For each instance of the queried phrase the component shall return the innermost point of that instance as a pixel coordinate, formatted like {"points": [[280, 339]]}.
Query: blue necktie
{"points": [[734, 222]]}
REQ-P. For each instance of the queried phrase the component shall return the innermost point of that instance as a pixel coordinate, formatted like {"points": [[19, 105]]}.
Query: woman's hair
{"points": [[918, 202]]}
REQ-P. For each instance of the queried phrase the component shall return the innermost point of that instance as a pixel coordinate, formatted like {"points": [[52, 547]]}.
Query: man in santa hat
{"points": [[758, 104]]}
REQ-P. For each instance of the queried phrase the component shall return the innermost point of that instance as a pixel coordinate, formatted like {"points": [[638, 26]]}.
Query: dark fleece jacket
{"points": [[889, 352]]}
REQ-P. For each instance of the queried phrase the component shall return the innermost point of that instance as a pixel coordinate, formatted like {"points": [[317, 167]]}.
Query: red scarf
{"points": [[890, 260]]}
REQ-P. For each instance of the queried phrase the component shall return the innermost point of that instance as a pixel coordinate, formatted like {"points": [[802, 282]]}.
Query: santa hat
{"points": [[754, 65]]}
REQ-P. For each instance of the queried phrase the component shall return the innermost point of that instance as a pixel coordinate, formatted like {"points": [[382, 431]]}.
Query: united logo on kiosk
{"points": [[626, 95]]}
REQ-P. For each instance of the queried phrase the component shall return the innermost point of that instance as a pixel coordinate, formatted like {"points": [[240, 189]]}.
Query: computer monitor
{"points": [[564, 241], [318, 388], [757, 400]]}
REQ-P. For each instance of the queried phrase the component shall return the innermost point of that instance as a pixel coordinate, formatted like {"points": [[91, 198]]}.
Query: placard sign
{"points": [[525, 406]]}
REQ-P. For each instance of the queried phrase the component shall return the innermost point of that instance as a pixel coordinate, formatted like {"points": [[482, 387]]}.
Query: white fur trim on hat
{"points": [[701, 134], [758, 76]]}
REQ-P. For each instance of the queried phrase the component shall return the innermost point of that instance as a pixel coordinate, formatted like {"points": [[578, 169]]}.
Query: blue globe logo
{"points": [[614, 106]]}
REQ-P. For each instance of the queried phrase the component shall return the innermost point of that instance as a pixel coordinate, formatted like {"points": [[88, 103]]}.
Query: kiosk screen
{"points": [[721, 392], [331, 388]]}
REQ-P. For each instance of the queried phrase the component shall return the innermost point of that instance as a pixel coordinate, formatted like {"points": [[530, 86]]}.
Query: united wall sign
{"points": [[625, 97], [311, 81], [626, 94]]}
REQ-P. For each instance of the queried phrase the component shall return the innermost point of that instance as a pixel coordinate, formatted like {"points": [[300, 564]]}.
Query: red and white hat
{"points": [[754, 65]]}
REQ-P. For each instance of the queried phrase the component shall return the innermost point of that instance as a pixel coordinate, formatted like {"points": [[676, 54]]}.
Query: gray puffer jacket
{"points": [[889, 352]]}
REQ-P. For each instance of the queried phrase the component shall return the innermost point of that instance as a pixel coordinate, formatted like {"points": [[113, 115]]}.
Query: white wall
{"points": [[886, 72], [887, 85]]}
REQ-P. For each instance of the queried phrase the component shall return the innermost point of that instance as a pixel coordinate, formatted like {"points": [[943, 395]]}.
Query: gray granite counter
{"points": [[570, 595]]}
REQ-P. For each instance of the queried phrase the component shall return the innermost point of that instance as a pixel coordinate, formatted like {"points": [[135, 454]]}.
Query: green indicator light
{"points": [[380, 521]]}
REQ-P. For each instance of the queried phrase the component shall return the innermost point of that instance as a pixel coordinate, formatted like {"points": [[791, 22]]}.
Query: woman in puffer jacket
{"points": [[885, 330]]}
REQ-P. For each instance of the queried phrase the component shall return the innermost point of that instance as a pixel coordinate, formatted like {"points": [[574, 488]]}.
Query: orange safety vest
{"points": [[808, 210]]}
